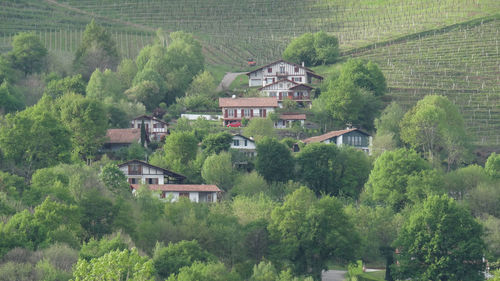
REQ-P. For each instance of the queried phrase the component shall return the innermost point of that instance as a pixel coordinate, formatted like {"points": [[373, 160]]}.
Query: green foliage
{"points": [[440, 240], [34, 139], [104, 86], [365, 75], [10, 100], [388, 125], [11, 185], [259, 128], [435, 127], [312, 49], [70, 84], [218, 169], [216, 143], [86, 119], [147, 92], [251, 209], [28, 54], [203, 84], [181, 147], [143, 133], [249, 184], [97, 248], [459, 183], [484, 199], [306, 237], [126, 71], [97, 50], [491, 236], [98, 214], [204, 271], [389, 180], [492, 166], [115, 265], [7, 73], [169, 260], [113, 178], [274, 160]]}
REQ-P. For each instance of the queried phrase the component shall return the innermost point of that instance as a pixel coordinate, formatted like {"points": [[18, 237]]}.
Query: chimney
{"points": [[348, 126], [233, 96], [302, 64]]}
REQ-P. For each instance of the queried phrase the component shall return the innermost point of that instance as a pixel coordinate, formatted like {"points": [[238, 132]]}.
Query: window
{"points": [[236, 142], [282, 69], [230, 113], [297, 79], [296, 69], [134, 169], [133, 181], [131, 125], [272, 94], [209, 197], [246, 142], [152, 180], [184, 194], [247, 112], [269, 70]]}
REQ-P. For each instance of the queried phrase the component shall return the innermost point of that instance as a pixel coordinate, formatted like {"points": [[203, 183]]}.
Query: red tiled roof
{"points": [[182, 187], [248, 102], [328, 135], [123, 135], [292, 117]]}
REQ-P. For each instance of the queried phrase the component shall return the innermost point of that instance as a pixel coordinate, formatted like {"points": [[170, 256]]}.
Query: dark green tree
{"points": [[274, 160], [306, 237], [10, 100], [216, 143], [318, 166], [143, 133], [313, 49], [28, 54], [97, 50], [113, 178], [440, 241], [71, 84]]}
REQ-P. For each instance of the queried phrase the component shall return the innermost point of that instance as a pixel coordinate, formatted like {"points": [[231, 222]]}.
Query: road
{"points": [[333, 275], [227, 80]]}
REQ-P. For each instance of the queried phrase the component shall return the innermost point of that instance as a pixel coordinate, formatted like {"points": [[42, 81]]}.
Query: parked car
{"points": [[234, 124]]}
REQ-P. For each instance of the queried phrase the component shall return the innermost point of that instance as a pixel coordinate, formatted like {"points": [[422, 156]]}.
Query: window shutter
{"points": [[225, 113], [251, 112], [264, 113], [242, 113], [235, 113]]}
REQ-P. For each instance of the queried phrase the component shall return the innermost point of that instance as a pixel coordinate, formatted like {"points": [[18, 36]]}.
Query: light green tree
{"points": [[218, 169], [492, 166], [259, 128], [440, 240], [28, 54]]}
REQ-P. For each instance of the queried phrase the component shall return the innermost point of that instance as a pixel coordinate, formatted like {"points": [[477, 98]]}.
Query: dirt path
{"points": [[228, 79], [333, 275]]}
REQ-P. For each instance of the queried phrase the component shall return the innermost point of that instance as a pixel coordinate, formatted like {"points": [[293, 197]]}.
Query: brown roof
{"points": [[123, 135], [182, 187], [248, 102], [330, 135], [292, 117]]}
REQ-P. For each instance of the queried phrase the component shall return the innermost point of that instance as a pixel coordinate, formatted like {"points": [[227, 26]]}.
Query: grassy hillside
{"points": [[462, 63]]}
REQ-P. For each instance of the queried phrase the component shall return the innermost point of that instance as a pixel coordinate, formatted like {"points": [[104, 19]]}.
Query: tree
{"points": [[435, 127], [146, 92], [86, 118], [9, 98], [34, 139], [249, 184], [203, 84], [169, 260], [492, 166], [204, 271], [365, 75], [274, 160], [104, 86], [216, 143], [306, 237], [97, 50], [440, 241], [113, 178], [28, 54], [126, 71], [218, 169], [388, 125], [259, 128], [97, 248], [317, 167], [115, 265], [70, 84], [143, 133], [312, 49], [388, 181]]}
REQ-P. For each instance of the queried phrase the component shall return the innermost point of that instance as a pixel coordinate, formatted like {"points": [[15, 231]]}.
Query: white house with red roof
{"points": [[234, 109], [155, 127], [195, 192], [350, 136], [281, 70]]}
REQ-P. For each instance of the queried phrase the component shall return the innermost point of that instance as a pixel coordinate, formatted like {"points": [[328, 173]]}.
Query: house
{"points": [[244, 145], [138, 172], [195, 192], [155, 128], [281, 70], [120, 138], [287, 89], [350, 136], [234, 109], [286, 120]]}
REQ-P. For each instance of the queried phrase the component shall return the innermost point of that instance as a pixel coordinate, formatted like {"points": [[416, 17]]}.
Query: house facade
{"points": [[281, 70], [194, 192], [287, 89], [155, 127], [350, 136], [234, 109], [140, 172], [244, 145], [121, 138], [288, 119]]}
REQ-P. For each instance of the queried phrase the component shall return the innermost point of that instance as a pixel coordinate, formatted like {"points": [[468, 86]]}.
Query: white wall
{"points": [[250, 144], [204, 116]]}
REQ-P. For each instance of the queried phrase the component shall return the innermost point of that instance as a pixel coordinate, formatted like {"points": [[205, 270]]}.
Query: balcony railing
{"points": [[282, 73]]}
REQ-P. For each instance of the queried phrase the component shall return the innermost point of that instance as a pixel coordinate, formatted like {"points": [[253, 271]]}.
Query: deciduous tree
{"points": [[28, 54], [274, 160], [218, 169]]}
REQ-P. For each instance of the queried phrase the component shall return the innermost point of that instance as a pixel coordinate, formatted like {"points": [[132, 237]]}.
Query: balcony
{"points": [[282, 73]]}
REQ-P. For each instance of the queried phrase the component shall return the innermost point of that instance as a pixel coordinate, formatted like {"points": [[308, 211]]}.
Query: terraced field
{"points": [[462, 64]]}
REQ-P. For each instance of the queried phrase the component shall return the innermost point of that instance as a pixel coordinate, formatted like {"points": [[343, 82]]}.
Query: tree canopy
{"points": [[312, 49], [274, 160], [28, 54]]}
